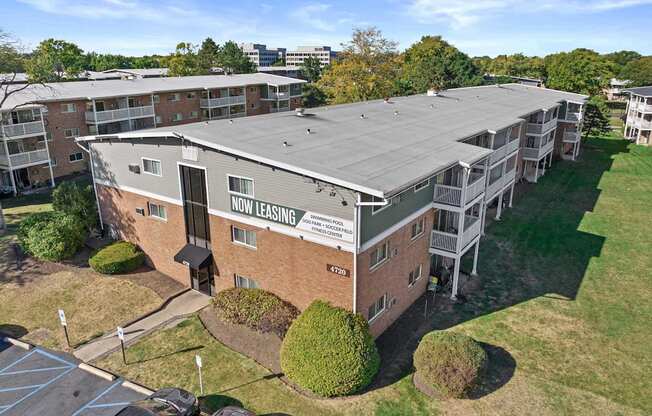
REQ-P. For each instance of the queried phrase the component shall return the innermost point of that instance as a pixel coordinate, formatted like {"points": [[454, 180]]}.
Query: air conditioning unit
{"points": [[134, 168], [395, 252]]}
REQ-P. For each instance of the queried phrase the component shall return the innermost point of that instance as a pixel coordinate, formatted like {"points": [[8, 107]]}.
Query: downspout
{"points": [[97, 199]]}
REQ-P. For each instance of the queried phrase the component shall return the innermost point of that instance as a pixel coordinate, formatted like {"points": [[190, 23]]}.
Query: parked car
{"points": [[164, 402], [233, 411]]}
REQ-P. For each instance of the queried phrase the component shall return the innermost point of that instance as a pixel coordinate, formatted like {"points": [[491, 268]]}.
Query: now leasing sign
{"points": [[324, 225]]}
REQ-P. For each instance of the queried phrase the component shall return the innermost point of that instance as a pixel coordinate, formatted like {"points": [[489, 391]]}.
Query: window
{"points": [[417, 228], [174, 97], [245, 282], [241, 186], [421, 185], [177, 117], [244, 237], [157, 211], [158, 119], [378, 208], [151, 166], [194, 114], [379, 255], [156, 99], [414, 276], [191, 95], [68, 108], [377, 308], [76, 157], [71, 133]]}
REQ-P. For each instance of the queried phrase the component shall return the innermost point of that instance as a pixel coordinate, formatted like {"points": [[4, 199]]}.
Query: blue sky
{"points": [[477, 27]]}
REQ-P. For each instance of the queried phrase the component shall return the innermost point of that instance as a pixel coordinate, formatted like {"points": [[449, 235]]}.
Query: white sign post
{"points": [[64, 324], [121, 337], [199, 365]]}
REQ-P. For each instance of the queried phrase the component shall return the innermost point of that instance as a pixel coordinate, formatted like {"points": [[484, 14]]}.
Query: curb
{"points": [[97, 371], [137, 388], [17, 343]]}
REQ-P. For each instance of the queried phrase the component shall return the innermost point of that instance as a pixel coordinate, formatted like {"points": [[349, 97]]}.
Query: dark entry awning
{"points": [[193, 256]]}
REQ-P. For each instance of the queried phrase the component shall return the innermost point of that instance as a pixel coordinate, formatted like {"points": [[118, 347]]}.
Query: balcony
{"points": [[498, 155], [221, 101], [642, 107], [120, 114], [448, 241], [539, 128], [278, 96], [452, 195], [642, 124], [18, 160], [571, 136], [33, 128], [534, 153], [572, 117], [512, 146]]}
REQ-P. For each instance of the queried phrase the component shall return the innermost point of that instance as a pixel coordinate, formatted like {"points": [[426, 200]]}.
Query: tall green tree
{"points": [[12, 61], [582, 71], [622, 58], [208, 56], [56, 60], [434, 63], [153, 61], [183, 62], [313, 96], [233, 60], [517, 65], [102, 62], [596, 117], [311, 69], [638, 71]]}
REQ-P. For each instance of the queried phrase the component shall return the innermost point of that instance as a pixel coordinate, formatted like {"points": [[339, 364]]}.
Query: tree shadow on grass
{"points": [[13, 331], [266, 377]]}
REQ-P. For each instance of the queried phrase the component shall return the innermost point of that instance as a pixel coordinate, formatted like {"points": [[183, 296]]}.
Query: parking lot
{"points": [[47, 383]]}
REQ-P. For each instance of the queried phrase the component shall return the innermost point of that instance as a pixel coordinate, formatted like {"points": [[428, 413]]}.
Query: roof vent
{"points": [[396, 113], [433, 92], [362, 116], [299, 112], [308, 131], [285, 143]]}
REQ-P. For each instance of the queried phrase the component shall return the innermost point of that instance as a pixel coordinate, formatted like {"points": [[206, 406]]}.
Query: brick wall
{"points": [[61, 147], [166, 108]]}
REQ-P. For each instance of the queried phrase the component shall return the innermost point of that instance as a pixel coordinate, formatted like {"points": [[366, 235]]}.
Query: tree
{"points": [[622, 58], [517, 65], [367, 69], [279, 62], [183, 62], [79, 201], [55, 60], [582, 71], [12, 61], [233, 60], [639, 72], [102, 62], [153, 61], [313, 96], [311, 69], [208, 56], [596, 117], [434, 63]]}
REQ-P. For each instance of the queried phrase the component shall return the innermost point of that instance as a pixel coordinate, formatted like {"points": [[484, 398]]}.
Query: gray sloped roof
{"points": [[59, 91], [395, 145], [644, 91]]}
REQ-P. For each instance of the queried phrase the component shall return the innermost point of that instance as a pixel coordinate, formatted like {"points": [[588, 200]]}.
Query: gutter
{"points": [[97, 199]]}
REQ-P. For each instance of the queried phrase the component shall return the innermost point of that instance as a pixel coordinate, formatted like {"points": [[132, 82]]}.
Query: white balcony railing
{"points": [[571, 136], [25, 158], [494, 188], [221, 101], [509, 176], [448, 241], [22, 129], [640, 123], [573, 117], [534, 153], [539, 128], [498, 155], [452, 195], [119, 114], [278, 95], [643, 107], [512, 146]]}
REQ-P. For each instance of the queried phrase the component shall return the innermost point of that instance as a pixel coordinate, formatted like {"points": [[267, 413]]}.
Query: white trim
{"points": [[158, 217], [423, 228], [72, 161], [240, 243], [140, 192], [228, 186], [380, 312], [391, 230], [373, 267], [387, 203], [160, 165], [411, 285]]}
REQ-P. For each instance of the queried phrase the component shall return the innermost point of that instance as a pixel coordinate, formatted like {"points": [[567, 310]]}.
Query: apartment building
{"points": [[356, 204], [260, 55], [39, 125], [296, 58], [638, 124], [614, 92]]}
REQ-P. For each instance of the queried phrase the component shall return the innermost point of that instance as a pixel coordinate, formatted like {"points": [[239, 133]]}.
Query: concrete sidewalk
{"points": [[185, 304]]}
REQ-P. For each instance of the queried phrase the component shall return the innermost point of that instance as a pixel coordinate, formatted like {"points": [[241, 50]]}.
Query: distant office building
{"points": [[324, 53], [260, 55]]}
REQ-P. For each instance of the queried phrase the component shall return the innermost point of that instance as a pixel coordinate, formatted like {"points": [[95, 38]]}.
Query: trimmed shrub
{"points": [[117, 258], [78, 200], [257, 309], [36, 220], [55, 236], [329, 351], [449, 364]]}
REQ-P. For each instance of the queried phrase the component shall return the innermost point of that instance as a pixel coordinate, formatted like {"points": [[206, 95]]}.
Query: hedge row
{"points": [[256, 309], [53, 236], [120, 257]]}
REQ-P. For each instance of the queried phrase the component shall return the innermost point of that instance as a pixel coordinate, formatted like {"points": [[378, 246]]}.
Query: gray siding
{"points": [[112, 159]]}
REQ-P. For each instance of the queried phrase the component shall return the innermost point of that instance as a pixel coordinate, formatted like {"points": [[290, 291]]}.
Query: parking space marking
{"points": [[21, 359], [36, 370], [89, 405]]}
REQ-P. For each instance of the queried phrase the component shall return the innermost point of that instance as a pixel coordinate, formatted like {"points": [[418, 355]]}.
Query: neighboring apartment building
{"points": [[59, 112], [260, 55], [355, 204], [638, 124], [296, 58], [285, 71], [615, 92]]}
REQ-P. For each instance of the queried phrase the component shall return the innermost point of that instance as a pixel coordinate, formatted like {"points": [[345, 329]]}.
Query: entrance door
{"points": [[202, 280]]}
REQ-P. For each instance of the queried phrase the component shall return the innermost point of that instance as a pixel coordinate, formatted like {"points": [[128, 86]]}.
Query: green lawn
{"points": [[566, 289]]}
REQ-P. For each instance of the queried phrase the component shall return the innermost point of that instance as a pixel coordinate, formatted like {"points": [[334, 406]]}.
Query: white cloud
{"points": [[462, 13], [315, 15]]}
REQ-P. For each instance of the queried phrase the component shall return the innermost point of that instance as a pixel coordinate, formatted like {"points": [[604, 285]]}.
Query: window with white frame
{"points": [[71, 133], [414, 275], [68, 108], [157, 211], [158, 119], [152, 166], [421, 185], [377, 308], [194, 114], [177, 117], [417, 228], [75, 157], [378, 208], [241, 186], [244, 237], [245, 282], [379, 255], [191, 95], [174, 97], [156, 99]]}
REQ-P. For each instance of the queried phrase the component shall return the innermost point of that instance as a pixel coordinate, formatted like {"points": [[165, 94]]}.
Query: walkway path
{"points": [[185, 304]]}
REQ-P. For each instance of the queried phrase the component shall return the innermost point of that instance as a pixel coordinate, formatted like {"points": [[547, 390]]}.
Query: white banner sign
{"points": [[327, 226], [198, 361], [62, 317], [121, 334]]}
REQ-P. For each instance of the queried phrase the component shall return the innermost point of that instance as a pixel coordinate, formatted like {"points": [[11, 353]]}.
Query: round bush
{"points": [[449, 364], [329, 351], [117, 258], [255, 308], [55, 236], [37, 221]]}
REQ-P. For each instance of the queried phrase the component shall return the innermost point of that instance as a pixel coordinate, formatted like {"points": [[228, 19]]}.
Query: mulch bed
{"points": [[264, 348]]}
